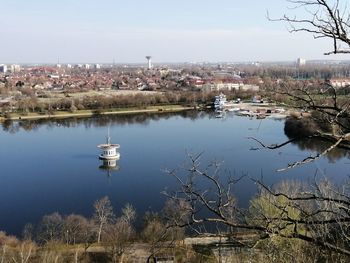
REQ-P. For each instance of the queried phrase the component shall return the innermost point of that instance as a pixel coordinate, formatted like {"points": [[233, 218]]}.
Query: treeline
{"points": [[106, 237], [286, 90], [68, 238], [71, 103], [308, 71]]}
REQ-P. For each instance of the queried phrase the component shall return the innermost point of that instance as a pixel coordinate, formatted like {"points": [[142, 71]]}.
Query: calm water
{"points": [[53, 166]]}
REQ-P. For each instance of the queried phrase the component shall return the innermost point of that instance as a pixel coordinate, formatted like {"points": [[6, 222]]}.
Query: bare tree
{"points": [[103, 215], [74, 226], [316, 215], [329, 118], [51, 228], [13, 250], [88, 234], [205, 200], [48, 256], [119, 234], [129, 213], [175, 213], [28, 231], [3, 251], [155, 233], [26, 251], [328, 19]]}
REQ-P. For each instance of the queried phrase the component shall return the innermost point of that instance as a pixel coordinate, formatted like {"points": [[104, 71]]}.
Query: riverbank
{"points": [[243, 106], [89, 113]]}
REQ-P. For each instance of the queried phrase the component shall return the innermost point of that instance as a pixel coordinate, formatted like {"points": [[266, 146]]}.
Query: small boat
{"points": [[109, 150], [219, 101], [234, 109]]}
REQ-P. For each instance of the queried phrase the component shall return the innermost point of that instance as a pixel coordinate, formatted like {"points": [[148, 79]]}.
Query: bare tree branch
{"points": [[319, 215], [317, 156], [324, 20]]}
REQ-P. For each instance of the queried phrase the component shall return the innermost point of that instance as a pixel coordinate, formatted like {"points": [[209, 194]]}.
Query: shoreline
{"points": [[84, 113], [134, 110]]}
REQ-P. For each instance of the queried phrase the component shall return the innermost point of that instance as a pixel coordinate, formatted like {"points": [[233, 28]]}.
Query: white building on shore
{"points": [[15, 68], [221, 86], [3, 68], [301, 62]]}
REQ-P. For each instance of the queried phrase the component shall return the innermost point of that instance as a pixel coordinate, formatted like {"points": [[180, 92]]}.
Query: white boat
{"points": [[234, 109], [109, 150], [279, 110], [220, 101], [230, 104]]}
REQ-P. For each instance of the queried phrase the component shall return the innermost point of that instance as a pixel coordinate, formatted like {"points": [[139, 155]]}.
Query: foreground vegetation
{"points": [[287, 223]]}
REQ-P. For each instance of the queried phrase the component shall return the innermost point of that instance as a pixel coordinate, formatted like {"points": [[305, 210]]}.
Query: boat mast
{"points": [[108, 138]]}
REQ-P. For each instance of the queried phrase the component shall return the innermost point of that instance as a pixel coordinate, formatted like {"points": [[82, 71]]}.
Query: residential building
{"points": [[3, 68]]}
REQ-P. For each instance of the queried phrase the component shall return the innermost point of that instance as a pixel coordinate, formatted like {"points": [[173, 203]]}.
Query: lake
{"points": [[52, 166]]}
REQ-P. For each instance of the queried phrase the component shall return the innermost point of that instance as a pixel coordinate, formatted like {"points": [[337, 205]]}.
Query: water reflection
{"points": [[98, 121], [314, 145], [62, 163], [318, 145], [109, 166]]}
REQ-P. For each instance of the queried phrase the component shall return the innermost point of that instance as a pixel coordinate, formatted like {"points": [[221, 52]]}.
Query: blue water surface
{"points": [[48, 167]]}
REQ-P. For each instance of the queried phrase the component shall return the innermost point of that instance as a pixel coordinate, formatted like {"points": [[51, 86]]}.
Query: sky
{"points": [[125, 31]]}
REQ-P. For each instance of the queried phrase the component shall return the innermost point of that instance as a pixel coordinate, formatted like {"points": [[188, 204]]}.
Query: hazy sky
{"points": [[41, 31]]}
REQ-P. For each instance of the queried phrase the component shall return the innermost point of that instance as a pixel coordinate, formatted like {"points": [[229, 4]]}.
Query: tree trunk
{"points": [[3, 253], [76, 256], [121, 258], [99, 233]]}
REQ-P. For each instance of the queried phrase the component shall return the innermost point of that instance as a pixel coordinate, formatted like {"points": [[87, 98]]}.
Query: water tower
{"points": [[149, 61]]}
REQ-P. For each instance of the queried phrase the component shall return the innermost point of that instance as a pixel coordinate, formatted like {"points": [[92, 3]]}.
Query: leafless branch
{"points": [[319, 215], [323, 20], [315, 157]]}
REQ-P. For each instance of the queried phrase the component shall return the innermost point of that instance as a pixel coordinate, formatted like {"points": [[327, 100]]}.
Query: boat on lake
{"points": [[109, 150], [220, 101], [234, 109]]}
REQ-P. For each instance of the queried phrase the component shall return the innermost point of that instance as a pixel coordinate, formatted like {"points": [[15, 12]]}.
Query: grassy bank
{"points": [[89, 113]]}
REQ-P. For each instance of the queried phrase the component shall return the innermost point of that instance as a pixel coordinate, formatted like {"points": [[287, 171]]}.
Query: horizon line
{"points": [[177, 62]]}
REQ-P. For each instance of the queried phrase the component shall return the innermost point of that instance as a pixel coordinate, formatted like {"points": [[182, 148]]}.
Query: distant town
{"points": [[26, 89]]}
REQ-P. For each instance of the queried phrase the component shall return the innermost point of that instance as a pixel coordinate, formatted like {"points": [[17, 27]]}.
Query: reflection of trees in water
{"points": [[11, 127], [97, 121], [295, 128], [318, 145]]}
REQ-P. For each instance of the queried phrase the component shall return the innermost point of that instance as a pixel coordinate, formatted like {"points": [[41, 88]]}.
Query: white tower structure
{"points": [[301, 62], [149, 61], [109, 150]]}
